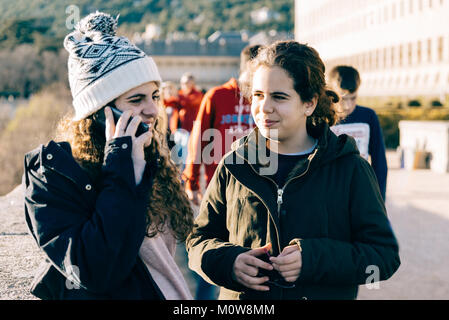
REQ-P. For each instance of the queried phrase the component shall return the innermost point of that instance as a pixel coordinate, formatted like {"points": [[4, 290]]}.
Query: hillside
{"points": [[44, 22]]}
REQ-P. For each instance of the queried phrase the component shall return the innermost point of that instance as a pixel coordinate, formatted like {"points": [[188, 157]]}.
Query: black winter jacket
{"points": [[91, 235], [331, 201]]}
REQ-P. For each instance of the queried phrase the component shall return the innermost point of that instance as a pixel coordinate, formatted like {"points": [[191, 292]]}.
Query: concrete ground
{"points": [[417, 204]]}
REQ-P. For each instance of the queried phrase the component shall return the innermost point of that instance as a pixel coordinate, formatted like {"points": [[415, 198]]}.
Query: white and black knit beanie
{"points": [[103, 66]]}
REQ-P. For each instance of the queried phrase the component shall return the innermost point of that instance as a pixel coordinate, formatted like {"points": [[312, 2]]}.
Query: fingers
{"points": [[131, 129], [254, 283], [144, 139], [290, 276], [110, 125], [259, 251], [284, 260], [246, 269], [288, 263], [122, 124]]}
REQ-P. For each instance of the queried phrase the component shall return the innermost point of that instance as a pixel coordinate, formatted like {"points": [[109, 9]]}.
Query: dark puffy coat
{"points": [[91, 235], [331, 200]]}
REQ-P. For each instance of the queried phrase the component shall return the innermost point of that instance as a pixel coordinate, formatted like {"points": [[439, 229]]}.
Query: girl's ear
{"points": [[311, 105]]}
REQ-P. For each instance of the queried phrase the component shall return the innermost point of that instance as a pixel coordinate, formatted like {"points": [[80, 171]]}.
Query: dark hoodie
{"points": [[331, 201]]}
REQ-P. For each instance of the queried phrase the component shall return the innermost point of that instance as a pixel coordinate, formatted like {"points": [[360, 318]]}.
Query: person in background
{"points": [[106, 205], [170, 101], [169, 94], [225, 109], [189, 102], [306, 222], [360, 122], [182, 119]]}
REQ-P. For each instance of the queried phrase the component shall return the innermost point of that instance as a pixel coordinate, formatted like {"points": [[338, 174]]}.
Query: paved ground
{"points": [[418, 207]]}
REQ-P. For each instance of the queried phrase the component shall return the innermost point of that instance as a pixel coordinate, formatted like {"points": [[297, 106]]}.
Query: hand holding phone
{"points": [[127, 126], [100, 117]]}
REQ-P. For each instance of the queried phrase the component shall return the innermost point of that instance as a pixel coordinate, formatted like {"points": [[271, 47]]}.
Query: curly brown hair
{"points": [[168, 202], [304, 65]]}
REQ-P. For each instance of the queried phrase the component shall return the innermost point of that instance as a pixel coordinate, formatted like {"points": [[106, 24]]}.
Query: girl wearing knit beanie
{"points": [[106, 206]]}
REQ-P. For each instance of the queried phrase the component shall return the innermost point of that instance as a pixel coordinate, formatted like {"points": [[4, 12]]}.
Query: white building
{"points": [[400, 47]]}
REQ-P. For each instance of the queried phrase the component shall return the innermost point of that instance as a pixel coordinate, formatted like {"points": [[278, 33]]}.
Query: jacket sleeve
{"points": [[204, 121], [377, 151], [96, 250], [373, 251], [211, 254]]}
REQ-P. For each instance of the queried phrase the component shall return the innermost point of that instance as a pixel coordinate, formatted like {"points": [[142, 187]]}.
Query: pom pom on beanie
{"points": [[102, 66]]}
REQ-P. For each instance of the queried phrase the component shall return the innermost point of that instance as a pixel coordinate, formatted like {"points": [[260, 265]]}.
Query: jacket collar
{"points": [[58, 157], [252, 148]]}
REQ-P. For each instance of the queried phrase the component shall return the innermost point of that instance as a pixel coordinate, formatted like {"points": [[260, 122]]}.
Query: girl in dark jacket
{"points": [[107, 206], [307, 221]]}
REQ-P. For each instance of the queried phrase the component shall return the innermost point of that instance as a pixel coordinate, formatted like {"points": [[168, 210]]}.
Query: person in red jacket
{"points": [[189, 102], [228, 113]]}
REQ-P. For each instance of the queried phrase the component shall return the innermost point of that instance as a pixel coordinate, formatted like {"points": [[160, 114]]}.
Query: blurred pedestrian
{"points": [[106, 206], [189, 101], [226, 110], [170, 100], [360, 122], [183, 118], [306, 222]]}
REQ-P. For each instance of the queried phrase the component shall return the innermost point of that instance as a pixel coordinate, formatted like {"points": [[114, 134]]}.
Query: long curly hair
{"points": [[168, 203]]}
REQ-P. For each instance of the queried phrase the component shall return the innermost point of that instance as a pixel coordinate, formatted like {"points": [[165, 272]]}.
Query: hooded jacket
{"points": [[90, 234], [331, 201]]}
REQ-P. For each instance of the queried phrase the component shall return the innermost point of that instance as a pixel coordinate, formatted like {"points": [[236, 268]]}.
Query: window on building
{"points": [[416, 79], [440, 48], [410, 6], [419, 51], [401, 8], [430, 3], [393, 57], [420, 5], [401, 55], [393, 11], [410, 54], [429, 50], [377, 59]]}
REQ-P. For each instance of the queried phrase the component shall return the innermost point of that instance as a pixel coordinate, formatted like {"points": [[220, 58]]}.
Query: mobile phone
{"points": [[274, 277], [100, 117]]}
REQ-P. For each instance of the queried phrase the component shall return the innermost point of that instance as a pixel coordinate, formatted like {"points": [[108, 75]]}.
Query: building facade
{"points": [[400, 47], [212, 61]]}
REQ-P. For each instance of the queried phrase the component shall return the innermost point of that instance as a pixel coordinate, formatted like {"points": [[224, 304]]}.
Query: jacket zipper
{"points": [[268, 209], [281, 190]]}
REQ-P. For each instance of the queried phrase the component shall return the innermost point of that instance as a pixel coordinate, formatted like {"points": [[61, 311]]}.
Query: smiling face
{"points": [[143, 100], [278, 110]]}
